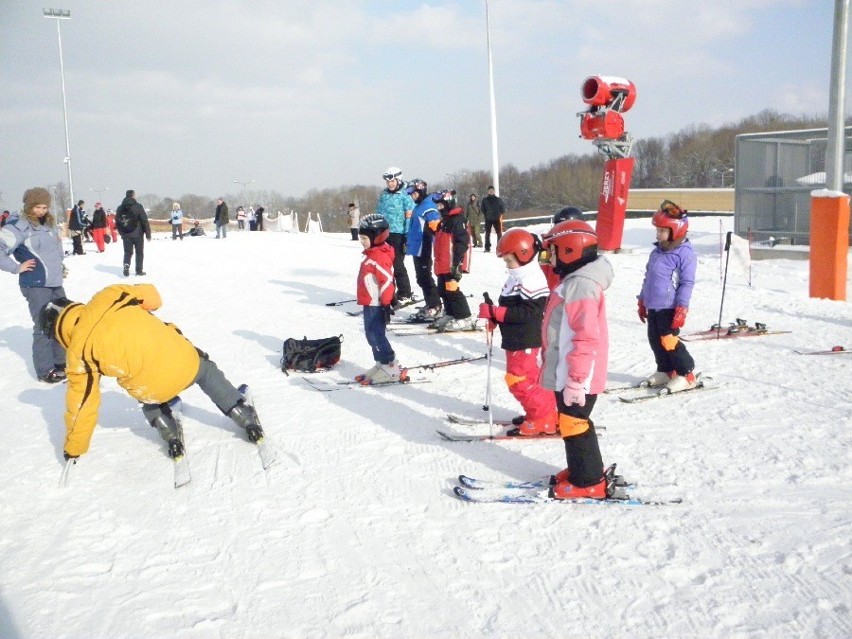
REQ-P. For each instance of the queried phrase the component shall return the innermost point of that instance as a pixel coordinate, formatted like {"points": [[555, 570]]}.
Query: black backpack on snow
{"points": [[311, 355]]}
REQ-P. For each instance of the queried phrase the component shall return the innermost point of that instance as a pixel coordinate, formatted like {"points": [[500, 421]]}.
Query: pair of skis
{"points": [[327, 386], [641, 392], [410, 302], [266, 452], [740, 328], [537, 491], [836, 350], [505, 425]]}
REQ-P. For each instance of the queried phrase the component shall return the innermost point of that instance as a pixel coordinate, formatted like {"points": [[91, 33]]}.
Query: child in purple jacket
{"points": [[664, 299]]}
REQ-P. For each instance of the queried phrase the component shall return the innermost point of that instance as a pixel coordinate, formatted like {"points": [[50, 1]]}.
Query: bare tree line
{"points": [[698, 156]]}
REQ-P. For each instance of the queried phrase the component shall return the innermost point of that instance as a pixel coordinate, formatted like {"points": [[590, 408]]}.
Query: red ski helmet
{"points": [[571, 241], [672, 217], [520, 243]]}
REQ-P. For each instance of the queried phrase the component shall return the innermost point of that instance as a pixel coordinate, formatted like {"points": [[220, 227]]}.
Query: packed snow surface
{"points": [[355, 532]]}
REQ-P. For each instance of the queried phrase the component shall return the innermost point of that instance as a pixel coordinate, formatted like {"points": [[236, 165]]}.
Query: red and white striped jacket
{"points": [[375, 277]]}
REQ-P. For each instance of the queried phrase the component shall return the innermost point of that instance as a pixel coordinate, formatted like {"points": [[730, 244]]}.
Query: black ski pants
{"points": [[131, 244], [400, 275], [455, 302], [423, 274], [669, 351], [582, 451], [497, 225]]}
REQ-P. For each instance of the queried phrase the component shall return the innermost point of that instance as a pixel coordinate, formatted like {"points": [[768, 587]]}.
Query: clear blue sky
{"points": [[174, 97]]}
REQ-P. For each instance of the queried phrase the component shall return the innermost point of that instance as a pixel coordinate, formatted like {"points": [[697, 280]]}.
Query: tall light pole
{"points": [[245, 184], [63, 14], [495, 165]]}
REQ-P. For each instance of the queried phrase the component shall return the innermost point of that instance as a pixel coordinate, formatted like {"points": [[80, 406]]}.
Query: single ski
{"points": [[413, 301], [514, 496], [539, 483], [265, 450], [455, 437], [442, 364], [739, 329], [700, 384], [837, 350], [614, 390], [327, 387], [413, 330], [181, 463], [478, 421]]}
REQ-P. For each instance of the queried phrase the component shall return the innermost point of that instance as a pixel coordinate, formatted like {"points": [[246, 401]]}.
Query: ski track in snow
{"points": [[354, 532]]}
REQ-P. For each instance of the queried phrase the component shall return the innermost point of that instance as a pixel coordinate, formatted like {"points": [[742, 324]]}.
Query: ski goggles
{"points": [[672, 210], [392, 176]]}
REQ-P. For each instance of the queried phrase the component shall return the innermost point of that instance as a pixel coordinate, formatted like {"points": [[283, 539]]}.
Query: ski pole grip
{"points": [[728, 241], [487, 299]]}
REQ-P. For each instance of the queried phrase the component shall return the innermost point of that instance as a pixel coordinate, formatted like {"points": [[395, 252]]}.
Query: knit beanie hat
{"points": [[33, 197]]}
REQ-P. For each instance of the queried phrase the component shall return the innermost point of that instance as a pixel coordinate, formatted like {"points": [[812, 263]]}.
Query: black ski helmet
{"points": [[567, 213], [49, 313], [375, 227]]}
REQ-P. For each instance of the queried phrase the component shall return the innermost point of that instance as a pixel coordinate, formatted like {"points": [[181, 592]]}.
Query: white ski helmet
{"points": [[392, 173]]}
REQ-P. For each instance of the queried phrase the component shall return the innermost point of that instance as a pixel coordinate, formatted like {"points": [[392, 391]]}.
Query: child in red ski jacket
{"points": [[375, 293], [452, 258]]}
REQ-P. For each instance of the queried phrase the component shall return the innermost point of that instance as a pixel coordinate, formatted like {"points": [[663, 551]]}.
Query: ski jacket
{"points": [[375, 277], [492, 208], [29, 238], [116, 335], [78, 220], [452, 244], [137, 211], [221, 217], [524, 295], [241, 215], [574, 332], [99, 219], [354, 217], [395, 207], [472, 210], [177, 217], [669, 277], [423, 218]]}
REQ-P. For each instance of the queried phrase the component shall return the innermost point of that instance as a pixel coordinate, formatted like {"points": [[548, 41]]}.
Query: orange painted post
{"points": [[829, 244]]}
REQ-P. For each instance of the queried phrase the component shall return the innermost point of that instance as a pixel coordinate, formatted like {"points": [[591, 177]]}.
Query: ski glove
{"points": [[643, 312], [387, 311], [456, 273], [679, 317], [574, 393], [491, 312], [67, 456]]}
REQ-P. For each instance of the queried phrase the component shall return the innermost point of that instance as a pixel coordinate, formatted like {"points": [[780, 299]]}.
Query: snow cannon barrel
{"points": [[610, 92]]}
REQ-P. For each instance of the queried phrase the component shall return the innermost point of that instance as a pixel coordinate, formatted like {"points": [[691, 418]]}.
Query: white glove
{"points": [[574, 393]]}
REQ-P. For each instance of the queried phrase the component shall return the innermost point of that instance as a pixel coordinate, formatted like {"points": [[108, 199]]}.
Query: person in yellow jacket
{"points": [[116, 335]]}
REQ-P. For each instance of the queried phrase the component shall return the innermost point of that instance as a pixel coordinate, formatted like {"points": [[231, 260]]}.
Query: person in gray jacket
{"points": [[30, 247]]}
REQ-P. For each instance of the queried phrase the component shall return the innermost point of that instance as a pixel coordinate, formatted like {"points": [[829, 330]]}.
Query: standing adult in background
{"points": [[132, 223], [241, 218], [221, 219], [31, 248], [492, 210], [354, 220], [251, 216], [258, 213], [395, 205], [474, 216], [99, 225], [177, 221], [76, 223]]}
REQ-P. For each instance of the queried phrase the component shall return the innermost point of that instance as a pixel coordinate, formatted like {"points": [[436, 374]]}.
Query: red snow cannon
{"points": [[610, 92]]}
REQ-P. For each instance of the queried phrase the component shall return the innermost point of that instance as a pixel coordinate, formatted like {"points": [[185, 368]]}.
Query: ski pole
{"points": [[724, 284], [489, 340], [340, 303]]}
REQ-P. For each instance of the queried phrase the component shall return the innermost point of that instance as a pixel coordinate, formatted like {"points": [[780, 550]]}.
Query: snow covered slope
{"points": [[356, 532]]}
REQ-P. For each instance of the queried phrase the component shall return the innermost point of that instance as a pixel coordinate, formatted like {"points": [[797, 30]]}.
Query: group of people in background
{"points": [[100, 228]]}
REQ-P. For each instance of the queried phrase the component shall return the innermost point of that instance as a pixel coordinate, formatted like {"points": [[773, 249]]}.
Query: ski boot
{"points": [[657, 378], [680, 383], [245, 416], [368, 374], [548, 425]]}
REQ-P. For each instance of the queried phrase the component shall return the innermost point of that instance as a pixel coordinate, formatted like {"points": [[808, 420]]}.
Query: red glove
{"points": [[574, 393], [491, 312], [679, 318], [643, 312]]}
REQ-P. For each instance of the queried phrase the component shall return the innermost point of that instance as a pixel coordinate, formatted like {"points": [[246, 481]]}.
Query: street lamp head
{"points": [[61, 14]]}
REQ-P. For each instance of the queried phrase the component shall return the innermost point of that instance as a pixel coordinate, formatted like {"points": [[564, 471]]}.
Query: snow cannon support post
{"points": [[602, 123], [829, 244]]}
